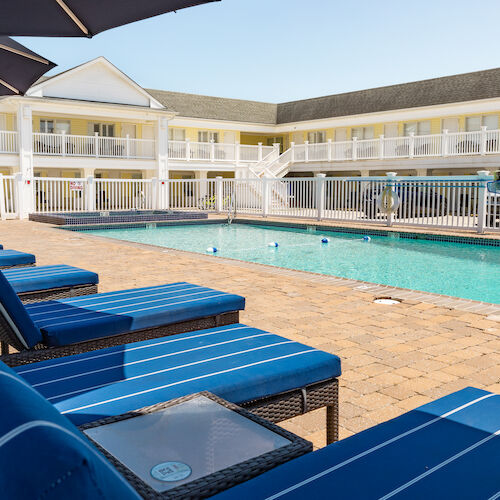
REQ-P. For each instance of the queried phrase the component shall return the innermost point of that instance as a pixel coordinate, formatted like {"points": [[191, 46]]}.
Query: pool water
{"points": [[456, 269]]}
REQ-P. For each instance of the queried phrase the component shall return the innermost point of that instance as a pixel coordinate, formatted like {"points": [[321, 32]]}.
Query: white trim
{"points": [[375, 448], [153, 389]]}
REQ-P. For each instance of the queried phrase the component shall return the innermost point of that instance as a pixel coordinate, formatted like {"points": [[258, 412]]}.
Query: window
{"points": [[473, 123], [208, 136], [418, 128], [316, 137], [362, 133], [176, 134], [54, 126], [103, 129]]}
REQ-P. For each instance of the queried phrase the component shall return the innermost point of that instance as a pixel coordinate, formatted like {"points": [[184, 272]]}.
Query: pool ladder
{"points": [[231, 213]]}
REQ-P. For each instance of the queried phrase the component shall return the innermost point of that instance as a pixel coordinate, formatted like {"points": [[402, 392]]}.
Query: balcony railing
{"points": [[96, 146], [8, 142], [480, 142], [217, 152]]}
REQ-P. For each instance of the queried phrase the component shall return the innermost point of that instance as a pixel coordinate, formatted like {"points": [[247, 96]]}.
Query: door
{"points": [[298, 137], [229, 137], [340, 134], [391, 130], [128, 129], [450, 124]]}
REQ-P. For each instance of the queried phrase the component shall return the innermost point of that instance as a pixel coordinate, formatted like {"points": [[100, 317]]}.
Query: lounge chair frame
{"points": [[65, 292], [17, 265], [41, 352]]}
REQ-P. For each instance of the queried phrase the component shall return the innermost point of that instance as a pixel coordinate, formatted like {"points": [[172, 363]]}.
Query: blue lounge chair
{"points": [[13, 258], [34, 284], [275, 377], [68, 326], [447, 449]]}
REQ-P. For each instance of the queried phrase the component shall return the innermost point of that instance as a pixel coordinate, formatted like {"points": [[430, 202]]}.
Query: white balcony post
{"points": [[482, 200], [212, 150], [127, 145], [265, 196], [218, 195], [24, 184], [292, 147], [411, 145], [91, 194], [354, 148], [276, 149], [237, 153], [2, 198], [306, 151], [390, 182], [164, 194], [329, 150], [320, 195], [63, 142], [381, 147], [96, 144], [444, 143], [259, 154], [483, 140], [188, 150]]}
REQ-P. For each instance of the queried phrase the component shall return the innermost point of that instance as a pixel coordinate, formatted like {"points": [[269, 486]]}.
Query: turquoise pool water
{"points": [[456, 269]]}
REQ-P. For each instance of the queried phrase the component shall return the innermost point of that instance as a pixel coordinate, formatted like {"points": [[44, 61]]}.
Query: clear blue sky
{"points": [[280, 50]]}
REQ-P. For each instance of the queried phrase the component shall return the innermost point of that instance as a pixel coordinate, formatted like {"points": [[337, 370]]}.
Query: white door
{"points": [[298, 138], [450, 124], [3, 122], [148, 132], [391, 130], [128, 129], [229, 137], [340, 134]]}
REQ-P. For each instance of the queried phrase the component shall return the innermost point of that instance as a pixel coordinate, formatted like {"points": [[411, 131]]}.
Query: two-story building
{"points": [[93, 120]]}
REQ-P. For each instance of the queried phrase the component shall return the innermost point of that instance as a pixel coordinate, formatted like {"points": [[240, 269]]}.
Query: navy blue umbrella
{"points": [[19, 67], [80, 17]]}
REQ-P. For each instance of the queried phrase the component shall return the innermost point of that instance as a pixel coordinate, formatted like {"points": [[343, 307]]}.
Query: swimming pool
{"points": [[458, 269]]}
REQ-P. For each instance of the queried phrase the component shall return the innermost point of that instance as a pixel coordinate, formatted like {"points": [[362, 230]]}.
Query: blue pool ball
{"points": [[324, 240], [212, 250], [273, 244], [366, 238]]}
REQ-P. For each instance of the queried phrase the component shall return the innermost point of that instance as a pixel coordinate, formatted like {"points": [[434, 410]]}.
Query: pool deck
{"points": [[394, 358]]}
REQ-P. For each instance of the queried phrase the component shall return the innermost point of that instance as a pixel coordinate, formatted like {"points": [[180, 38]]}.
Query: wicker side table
{"points": [[192, 447]]}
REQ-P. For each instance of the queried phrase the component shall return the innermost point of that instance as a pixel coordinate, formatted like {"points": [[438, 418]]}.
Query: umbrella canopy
{"points": [[80, 17], [19, 67]]}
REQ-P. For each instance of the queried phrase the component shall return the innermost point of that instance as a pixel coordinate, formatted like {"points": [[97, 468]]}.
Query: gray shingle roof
{"points": [[216, 108], [448, 89]]}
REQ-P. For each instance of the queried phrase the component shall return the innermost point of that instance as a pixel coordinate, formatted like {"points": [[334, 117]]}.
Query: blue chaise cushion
{"points": [[447, 449], [68, 321], [15, 258], [237, 362], [43, 455], [31, 279], [15, 314]]}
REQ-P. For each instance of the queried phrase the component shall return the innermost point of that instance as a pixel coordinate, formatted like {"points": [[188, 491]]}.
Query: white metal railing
{"points": [[96, 146], [8, 142], [217, 152], [449, 202]]}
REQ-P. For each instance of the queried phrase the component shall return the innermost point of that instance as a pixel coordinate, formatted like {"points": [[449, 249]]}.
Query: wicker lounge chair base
{"points": [[16, 266], [57, 293], [41, 352]]}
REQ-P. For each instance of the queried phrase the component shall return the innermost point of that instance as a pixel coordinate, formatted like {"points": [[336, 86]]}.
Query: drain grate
{"points": [[388, 301]]}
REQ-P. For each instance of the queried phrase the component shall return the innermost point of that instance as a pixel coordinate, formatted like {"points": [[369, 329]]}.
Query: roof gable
{"points": [[98, 81]]}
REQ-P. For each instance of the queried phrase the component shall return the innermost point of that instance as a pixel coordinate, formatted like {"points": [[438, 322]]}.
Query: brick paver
{"points": [[394, 357]]}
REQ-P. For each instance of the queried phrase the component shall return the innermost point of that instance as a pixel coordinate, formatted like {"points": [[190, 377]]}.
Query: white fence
{"points": [[8, 142], [94, 146], [461, 202], [217, 152]]}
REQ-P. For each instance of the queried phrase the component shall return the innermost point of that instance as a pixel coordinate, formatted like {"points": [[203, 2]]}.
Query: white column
{"points": [[237, 153], [483, 140], [411, 146], [91, 194], [259, 157], [292, 147], [218, 195], [320, 195], [306, 151], [444, 144], [2, 198], [381, 147], [354, 148], [265, 196], [482, 200], [162, 147], [202, 176], [329, 151], [25, 184]]}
